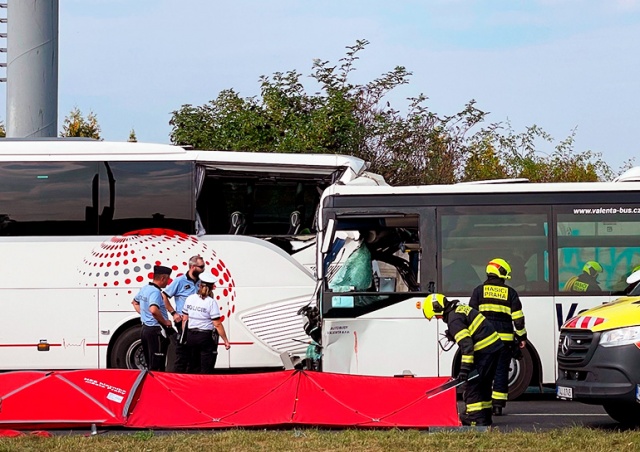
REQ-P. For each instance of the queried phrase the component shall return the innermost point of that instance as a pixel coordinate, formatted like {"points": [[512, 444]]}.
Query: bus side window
{"points": [[270, 206], [472, 236], [611, 240], [48, 198], [140, 195]]}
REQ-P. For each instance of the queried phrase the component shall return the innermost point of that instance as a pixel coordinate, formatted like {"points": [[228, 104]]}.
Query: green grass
{"points": [[572, 439]]}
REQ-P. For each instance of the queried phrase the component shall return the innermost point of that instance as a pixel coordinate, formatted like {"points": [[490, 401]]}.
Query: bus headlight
{"points": [[620, 336]]}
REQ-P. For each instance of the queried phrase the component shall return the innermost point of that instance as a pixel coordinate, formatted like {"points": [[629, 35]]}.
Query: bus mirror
{"points": [[328, 235]]}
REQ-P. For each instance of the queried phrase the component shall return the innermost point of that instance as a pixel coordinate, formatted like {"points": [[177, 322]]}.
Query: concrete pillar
{"points": [[32, 68]]}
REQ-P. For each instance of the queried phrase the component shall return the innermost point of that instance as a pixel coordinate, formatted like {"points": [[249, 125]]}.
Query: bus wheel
{"points": [[625, 413], [520, 373], [127, 351]]}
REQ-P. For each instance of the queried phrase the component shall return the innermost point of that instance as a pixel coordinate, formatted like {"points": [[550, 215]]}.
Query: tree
{"points": [[495, 155], [132, 137], [75, 125], [3, 130], [418, 147]]}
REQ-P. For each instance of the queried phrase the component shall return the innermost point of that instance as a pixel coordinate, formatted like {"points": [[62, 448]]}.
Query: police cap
{"points": [[161, 270], [207, 278]]}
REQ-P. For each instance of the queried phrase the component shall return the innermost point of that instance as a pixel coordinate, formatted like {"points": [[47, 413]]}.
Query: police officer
{"points": [[180, 288], [201, 315], [480, 346], [501, 305], [587, 281], [156, 326]]}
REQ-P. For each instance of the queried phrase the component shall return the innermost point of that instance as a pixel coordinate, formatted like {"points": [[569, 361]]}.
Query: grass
{"points": [[570, 439]]}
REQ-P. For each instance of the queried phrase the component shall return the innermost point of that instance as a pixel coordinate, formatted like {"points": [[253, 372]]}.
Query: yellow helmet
{"points": [[500, 268], [433, 305], [592, 268]]}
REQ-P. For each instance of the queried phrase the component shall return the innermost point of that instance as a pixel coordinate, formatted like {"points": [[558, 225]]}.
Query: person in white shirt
{"points": [[201, 315]]}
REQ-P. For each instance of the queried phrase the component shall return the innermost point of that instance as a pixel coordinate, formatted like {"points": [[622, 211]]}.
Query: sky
{"points": [[559, 64]]}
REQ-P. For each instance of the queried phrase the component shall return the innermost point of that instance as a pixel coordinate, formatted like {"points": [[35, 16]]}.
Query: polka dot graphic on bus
{"points": [[126, 261]]}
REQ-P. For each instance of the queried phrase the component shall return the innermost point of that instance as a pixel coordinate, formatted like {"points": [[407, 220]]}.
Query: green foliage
{"points": [[522, 155], [417, 147], [76, 125], [483, 160], [3, 130], [132, 137]]}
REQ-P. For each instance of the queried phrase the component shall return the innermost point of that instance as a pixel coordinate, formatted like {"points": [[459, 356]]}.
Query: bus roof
{"points": [[93, 150], [488, 188]]}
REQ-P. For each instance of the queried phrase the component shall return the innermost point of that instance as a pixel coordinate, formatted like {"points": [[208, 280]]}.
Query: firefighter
{"points": [[587, 281], [501, 305], [480, 346]]}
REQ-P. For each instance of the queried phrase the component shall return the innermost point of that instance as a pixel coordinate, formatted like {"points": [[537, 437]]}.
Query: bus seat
{"points": [[237, 222], [294, 222]]}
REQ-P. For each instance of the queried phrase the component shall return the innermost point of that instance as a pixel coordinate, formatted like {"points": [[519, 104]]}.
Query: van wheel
{"points": [[625, 413], [520, 373], [127, 351]]}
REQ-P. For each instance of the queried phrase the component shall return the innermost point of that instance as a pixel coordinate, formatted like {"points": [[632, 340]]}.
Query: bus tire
{"points": [[127, 350], [625, 413], [520, 373]]}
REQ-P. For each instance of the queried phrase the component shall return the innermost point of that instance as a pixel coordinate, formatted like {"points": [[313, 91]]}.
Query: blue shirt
{"points": [[180, 288], [150, 296]]}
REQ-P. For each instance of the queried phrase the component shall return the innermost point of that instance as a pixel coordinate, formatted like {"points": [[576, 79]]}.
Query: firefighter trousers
{"points": [[500, 392], [477, 394]]}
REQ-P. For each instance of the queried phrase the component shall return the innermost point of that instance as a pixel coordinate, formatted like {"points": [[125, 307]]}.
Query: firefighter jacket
{"points": [[584, 283], [471, 331], [501, 305]]}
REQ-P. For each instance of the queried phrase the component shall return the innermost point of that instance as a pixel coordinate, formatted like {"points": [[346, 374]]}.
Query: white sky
{"points": [[559, 64]]}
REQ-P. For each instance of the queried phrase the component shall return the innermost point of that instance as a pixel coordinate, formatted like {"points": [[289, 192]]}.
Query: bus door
{"points": [[377, 267]]}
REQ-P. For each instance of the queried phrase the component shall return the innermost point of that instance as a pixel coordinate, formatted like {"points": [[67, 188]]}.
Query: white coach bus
{"points": [[440, 238], [83, 222]]}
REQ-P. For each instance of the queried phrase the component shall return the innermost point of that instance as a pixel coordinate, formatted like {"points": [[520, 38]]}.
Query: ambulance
{"points": [[599, 356]]}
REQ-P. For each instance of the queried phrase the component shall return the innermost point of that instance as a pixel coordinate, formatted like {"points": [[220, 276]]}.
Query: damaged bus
{"points": [[401, 243], [83, 222]]}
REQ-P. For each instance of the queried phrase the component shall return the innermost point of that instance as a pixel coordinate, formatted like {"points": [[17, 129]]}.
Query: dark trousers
{"points": [[154, 347], [501, 380], [201, 349], [177, 355], [477, 394]]}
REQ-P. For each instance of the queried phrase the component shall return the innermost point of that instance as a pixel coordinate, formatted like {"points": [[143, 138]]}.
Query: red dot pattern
{"points": [[112, 263]]}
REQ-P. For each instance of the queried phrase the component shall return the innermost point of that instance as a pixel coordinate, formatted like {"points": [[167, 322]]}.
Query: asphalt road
{"points": [[537, 412]]}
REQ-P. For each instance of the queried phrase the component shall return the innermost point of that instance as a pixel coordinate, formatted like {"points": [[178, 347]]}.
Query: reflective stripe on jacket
{"points": [[472, 332], [502, 306]]}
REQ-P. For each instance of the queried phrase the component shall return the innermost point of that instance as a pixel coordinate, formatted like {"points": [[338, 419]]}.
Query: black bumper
{"points": [[611, 374]]}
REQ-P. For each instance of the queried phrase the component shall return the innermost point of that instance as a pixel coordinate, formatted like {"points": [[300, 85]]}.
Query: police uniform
{"points": [[501, 305], [154, 341], [200, 344], [180, 288], [480, 346]]}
